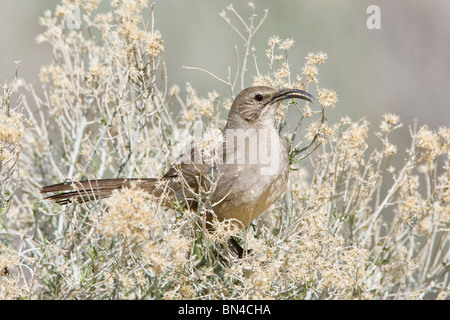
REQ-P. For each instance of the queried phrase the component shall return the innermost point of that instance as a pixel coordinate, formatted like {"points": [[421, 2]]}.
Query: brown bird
{"points": [[239, 182]]}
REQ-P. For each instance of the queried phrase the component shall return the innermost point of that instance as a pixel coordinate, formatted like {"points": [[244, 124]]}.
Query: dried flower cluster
{"points": [[354, 223], [12, 129]]}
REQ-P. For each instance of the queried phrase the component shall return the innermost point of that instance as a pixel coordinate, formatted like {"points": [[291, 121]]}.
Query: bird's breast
{"points": [[254, 175]]}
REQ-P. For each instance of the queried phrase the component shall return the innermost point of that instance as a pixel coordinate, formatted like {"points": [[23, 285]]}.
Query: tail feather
{"points": [[90, 190]]}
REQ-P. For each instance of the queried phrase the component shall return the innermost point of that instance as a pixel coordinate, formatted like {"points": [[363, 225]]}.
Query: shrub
{"points": [[350, 226]]}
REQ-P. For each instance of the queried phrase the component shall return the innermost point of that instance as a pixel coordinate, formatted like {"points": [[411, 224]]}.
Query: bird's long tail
{"points": [[89, 190]]}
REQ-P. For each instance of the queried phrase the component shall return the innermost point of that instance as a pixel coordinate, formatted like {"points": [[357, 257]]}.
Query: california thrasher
{"points": [[248, 174]]}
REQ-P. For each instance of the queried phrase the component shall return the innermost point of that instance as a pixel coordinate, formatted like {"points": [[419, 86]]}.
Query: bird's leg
{"points": [[237, 247]]}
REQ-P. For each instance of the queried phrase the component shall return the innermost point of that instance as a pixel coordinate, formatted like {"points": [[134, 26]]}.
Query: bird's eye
{"points": [[259, 97]]}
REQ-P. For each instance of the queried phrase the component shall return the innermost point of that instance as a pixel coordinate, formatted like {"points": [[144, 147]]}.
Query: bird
{"points": [[241, 180]]}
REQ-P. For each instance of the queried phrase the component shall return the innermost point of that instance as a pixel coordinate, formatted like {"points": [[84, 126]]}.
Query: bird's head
{"points": [[257, 105]]}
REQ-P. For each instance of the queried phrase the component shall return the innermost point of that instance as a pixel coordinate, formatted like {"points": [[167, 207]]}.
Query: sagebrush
{"points": [[350, 226]]}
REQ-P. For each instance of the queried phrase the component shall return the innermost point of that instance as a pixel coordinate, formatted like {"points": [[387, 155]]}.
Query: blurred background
{"points": [[403, 68]]}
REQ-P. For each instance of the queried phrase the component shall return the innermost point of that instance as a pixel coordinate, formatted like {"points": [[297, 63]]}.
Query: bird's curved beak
{"points": [[291, 94]]}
